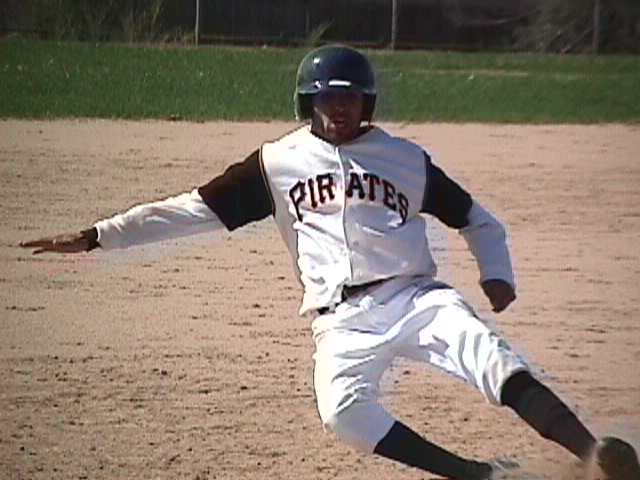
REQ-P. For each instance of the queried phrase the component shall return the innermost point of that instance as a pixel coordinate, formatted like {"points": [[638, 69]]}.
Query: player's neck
{"points": [[319, 132]]}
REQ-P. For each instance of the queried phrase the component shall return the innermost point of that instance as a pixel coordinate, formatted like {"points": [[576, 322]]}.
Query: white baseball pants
{"points": [[413, 317]]}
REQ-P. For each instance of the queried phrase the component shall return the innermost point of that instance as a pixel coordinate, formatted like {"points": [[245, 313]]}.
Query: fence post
{"points": [[197, 28], [394, 23], [596, 27]]}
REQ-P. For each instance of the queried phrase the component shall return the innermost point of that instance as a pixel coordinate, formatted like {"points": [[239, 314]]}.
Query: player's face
{"points": [[337, 114]]}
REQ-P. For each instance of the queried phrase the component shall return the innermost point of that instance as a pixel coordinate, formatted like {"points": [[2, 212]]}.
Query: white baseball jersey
{"points": [[348, 214]]}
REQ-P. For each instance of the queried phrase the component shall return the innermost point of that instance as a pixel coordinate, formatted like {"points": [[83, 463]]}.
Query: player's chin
{"points": [[342, 132]]}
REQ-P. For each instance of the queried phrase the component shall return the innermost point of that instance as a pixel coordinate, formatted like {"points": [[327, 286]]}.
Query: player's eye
{"points": [[338, 95]]}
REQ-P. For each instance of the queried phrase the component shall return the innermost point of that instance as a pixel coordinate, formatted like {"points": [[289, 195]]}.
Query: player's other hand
{"points": [[499, 293], [65, 243]]}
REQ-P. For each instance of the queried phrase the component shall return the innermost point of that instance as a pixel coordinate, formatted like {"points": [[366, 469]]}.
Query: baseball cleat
{"points": [[613, 459], [500, 469], [497, 469]]}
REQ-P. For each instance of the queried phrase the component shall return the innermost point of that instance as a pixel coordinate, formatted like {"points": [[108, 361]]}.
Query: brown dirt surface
{"points": [[188, 360]]}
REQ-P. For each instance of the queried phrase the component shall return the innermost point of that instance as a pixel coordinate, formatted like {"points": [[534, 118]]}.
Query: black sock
{"points": [[546, 413], [405, 446]]}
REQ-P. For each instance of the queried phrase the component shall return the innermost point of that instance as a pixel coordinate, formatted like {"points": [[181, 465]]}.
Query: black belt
{"points": [[349, 291]]}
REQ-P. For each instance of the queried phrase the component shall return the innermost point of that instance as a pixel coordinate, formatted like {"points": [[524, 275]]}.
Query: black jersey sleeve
{"points": [[240, 195], [444, 198]]}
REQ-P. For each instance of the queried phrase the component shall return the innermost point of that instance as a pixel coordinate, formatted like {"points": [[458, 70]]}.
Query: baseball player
{"points": [[348, 199]]}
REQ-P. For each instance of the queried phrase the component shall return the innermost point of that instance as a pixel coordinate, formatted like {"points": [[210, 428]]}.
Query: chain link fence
{"points": [[531, 25]]}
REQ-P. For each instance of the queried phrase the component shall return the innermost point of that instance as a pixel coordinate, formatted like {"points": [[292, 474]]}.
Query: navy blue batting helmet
{"points": [[334, 66]]}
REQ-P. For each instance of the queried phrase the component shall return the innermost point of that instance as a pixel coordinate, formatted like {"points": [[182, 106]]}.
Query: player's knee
{"points": [[358, 421], [348, 425], [500, 365]]}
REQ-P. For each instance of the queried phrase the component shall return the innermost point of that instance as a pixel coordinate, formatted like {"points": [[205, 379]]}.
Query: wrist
{"points": [[91, 237]]}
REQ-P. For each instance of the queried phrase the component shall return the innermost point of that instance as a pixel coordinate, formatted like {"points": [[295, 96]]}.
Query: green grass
{"points": [[51, 80]]}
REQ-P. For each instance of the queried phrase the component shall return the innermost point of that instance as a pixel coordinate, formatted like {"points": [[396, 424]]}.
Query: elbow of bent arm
{"points": [[487, 241], [478, 217]]}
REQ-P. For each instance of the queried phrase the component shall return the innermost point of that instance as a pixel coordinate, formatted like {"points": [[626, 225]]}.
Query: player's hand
{"points": [[65, 243], [499, 293]]}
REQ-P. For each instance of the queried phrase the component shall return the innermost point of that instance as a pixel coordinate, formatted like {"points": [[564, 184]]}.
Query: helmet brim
{"points": [[316, 86]]}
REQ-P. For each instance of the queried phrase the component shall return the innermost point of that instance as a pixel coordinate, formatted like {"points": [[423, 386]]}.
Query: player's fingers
{"points": [[498, 303], [35, 243], [502, 304]]}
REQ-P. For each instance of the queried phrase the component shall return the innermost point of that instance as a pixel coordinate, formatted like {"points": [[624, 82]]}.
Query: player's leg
{"points": [[458, 342], [547, 414], [607, 459], [406, 446], [354, 346], [347, 368]]}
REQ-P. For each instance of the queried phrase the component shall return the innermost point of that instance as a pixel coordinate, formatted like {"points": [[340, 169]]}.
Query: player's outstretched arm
{"points": [[173, 217], [180, 216], [66, 243], [231, 200], [237, 197]]}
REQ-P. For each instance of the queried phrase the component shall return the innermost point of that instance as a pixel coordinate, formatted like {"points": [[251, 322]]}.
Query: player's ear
{"points": [[368, 106]]}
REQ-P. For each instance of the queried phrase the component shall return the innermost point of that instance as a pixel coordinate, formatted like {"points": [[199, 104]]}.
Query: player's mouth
{"points": [[341, 123]]}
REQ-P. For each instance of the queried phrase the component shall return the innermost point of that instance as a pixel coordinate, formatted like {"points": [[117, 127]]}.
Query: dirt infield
{"points": [[188, 359]]}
